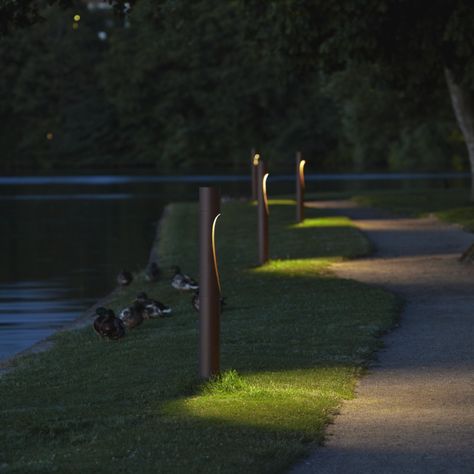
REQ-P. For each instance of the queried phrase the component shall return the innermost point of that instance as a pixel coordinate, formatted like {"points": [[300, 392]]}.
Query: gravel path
{"points": [[414, 411]]}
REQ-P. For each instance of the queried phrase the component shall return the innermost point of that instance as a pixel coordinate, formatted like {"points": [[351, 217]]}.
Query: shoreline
{"points": [[8, 364], [86, 317]]}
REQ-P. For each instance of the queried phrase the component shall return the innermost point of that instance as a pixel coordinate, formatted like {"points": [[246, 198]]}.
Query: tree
{"points": [[416, 46], [191, 85], [200, 90], [51, 97], [17, 14]]}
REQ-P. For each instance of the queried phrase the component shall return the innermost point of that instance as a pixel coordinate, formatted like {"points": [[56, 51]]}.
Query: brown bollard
{"points": [[262, 213], [209, 285], [300, 185], [254, 158]]}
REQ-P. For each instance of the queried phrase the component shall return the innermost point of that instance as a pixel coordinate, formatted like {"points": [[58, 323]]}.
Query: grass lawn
{"points": [[294, 341], [450, 205]]}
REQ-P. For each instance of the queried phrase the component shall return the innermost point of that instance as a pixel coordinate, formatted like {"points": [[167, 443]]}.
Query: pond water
{"points": [[63, 239]]}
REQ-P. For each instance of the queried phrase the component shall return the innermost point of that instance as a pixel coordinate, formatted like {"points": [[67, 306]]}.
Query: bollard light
{"points": [[262, 213], [209, 283], [255, 157], [300, 187]]}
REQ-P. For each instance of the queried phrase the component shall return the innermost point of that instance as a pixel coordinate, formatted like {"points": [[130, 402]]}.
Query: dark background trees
{"points": [[415, 48], [52, 104], [189, 86]]}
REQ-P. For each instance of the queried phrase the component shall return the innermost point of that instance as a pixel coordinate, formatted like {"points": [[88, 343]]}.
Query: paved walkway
{"points": [[414, 411]]}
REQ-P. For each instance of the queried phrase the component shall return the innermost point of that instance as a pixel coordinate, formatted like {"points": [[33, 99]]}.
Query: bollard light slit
{"points": [[264, 190], [214, 255], [300, 187], [302, 163]]}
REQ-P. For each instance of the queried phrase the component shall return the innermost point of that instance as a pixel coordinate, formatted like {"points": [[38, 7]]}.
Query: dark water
{"points": [[63, 239]]}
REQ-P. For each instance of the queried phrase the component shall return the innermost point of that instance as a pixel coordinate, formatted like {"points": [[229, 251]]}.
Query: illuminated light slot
{"points": [[214, 256], [77, 18], [256, 159], [302, 163], [264, 189]]}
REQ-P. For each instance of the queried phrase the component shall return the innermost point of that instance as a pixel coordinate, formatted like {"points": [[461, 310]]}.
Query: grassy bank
{"points": [[450, 205], [294, 340]]}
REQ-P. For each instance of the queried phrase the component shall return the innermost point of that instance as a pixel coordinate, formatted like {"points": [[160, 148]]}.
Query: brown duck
{"points": [[107, 325]]}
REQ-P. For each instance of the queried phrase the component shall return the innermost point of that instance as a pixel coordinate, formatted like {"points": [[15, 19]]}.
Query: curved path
{"points": [[414, 411]]}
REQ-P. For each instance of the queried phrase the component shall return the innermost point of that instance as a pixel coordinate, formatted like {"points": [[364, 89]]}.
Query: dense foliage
{"points": [[195, 85], [51, 95]]}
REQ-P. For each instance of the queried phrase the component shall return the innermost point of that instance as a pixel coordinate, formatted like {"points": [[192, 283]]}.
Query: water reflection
{"points": [[32, 310], [61, 248]]}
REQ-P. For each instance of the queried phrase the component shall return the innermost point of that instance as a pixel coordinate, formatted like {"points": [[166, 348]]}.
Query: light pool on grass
{"points": [[294, 401], [324, 222], [294, 268]]}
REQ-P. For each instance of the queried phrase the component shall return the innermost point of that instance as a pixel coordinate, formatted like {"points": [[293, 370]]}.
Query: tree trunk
{"points": [[463, 105]]}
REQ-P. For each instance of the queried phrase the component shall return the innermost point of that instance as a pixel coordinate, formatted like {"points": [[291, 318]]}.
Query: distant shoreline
{"points": [[116, 179]]}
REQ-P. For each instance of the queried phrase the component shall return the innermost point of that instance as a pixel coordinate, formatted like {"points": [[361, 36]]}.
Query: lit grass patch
{"points": [[463, 216], [294, 268], [262, 410], [305, 398], [278, 202], [281, 202], [229, 382], [324, 222]]}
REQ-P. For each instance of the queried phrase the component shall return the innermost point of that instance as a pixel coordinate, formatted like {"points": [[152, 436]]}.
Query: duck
{"points": [[195, 301], [153, 308], [181, 281], [108, 325], [101, 316], [132, 316], [124, 278], [152, 273]]}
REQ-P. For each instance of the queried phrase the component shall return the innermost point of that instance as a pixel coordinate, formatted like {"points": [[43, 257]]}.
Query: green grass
{"points": [[463, 216], [450, 205], [294, 341]]}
